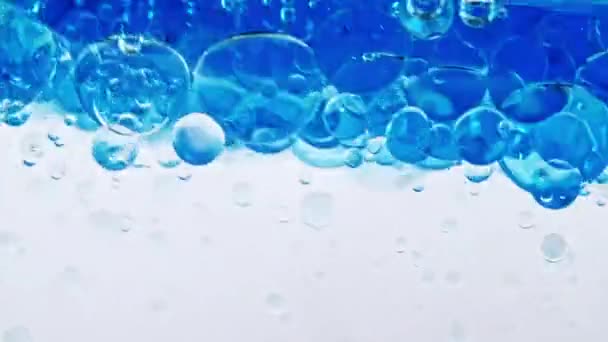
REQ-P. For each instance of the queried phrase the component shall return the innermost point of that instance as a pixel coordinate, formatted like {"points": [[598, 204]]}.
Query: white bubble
{"points": [[526, 220], [276, 303]]}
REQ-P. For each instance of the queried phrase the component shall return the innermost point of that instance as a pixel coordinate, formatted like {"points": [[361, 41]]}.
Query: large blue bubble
{"points": [[198, 139]]}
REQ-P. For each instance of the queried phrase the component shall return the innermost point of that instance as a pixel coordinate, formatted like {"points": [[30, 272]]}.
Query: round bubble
{"points": [[274, 84], [345, 117], [29, 56], [367, 46], [478, 14], [477, 173], [198, 139], [131, 84], [477, 134], [408, 135], [384, 104], [442, 144], [535, 102], [427, 19], [114, 152], [445, 93], [315, 132]]}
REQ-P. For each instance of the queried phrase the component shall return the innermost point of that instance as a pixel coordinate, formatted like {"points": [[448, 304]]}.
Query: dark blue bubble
{"points": [[478, 137], [445, 93], [383, 105], [523, 55], [501, 84], [408, 135]]}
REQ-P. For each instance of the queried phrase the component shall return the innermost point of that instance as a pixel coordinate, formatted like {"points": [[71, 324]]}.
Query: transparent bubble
{"points": [[362, 33], [29, 57], [526, 220], [114, 152], [354, 158], [131, 84], [554, 247], [535, 102], [198, 139], [408, 135], [17, 334], [242, 194], [344, 117], [418, 188], [57, 168], [427, 19], [16, 119], [317, 210], [478, 137], [445, 93], [478, 173], [480, 13], [276, 303], [32, 148], [254, 74], [288, 15]]}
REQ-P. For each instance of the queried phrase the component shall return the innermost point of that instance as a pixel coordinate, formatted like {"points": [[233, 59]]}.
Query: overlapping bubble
{"points": [[339, 83]]}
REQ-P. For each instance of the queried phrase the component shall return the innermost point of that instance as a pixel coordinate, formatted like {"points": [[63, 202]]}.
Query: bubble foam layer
{"points": [[428, 83]]}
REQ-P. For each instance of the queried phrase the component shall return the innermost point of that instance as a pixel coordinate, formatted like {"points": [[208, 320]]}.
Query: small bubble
{"points": [[57, 169], [305, 176], [477, 173], [283, 214], [317, 209], [428, 276], [276, 303], [418, 188], [452, 278], [126, 223], [450, 224], [242, 194], [554, 247], [32, 149], [526, 220], [401, 243], [17, 119], [17, 334], [600, 201]]}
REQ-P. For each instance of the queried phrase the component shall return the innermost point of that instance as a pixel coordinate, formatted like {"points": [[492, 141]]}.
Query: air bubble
{"points": [[114, 152], [198, 139], [477, 173], [554, 247], [32, 149], [17, 334], [276, 303], [317, 210], [242, 194], [427, 19], [526, 220]]}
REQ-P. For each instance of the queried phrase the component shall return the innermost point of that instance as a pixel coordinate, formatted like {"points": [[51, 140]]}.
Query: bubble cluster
{"points": [[429, 83]]}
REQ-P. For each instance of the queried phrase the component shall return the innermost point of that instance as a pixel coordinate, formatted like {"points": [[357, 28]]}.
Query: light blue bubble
{"points": [[408, 135], [344, 117], [198, 139], [114, 152], [478, 137], [427, 19]]}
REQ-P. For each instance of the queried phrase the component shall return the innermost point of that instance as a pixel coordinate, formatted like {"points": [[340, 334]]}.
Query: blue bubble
{"points": [[442, 143], [198, 139], [427, 19], [345, 118], [383, 105], [354, 158], [408, 135], [478, 137], [114, 152], [445, 93], [536, 102], [17, 119]]}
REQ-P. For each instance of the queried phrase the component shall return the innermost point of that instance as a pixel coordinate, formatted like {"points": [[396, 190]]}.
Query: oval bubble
{"points": [[198, 139], [281, 80], [114, 152], [427, 19], [478, 137], [445, 93], [130, 84], [408, 135]]}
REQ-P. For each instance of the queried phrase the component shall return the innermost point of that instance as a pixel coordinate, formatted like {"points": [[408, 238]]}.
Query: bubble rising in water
{"points": [[554, 247], [114, 152], [130, 84], [198, 139], [427, 19], [317, 210]]}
